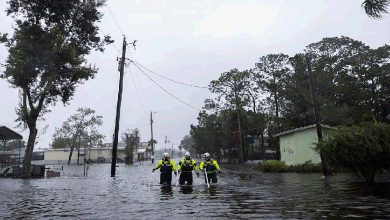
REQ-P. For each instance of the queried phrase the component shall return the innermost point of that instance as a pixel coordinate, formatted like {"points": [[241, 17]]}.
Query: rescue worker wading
{"points": [[211, 167], [185, 168], [166, 167]]}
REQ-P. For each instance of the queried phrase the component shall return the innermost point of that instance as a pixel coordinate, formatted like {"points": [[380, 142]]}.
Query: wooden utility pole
{"points": [[316, 113], [118, 109], [151, 134]]}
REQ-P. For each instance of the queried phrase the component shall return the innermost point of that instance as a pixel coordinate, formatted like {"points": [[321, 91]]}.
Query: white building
{"points": [[96, 154]]}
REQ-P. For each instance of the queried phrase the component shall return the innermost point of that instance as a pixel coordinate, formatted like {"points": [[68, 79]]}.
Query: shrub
{"points": [[281, 167], [364, 148], [273, 166], [306, 167]]}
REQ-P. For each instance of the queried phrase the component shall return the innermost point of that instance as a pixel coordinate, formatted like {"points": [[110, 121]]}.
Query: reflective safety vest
{"points": [[210, 166], [166, 165], [187, 165]]}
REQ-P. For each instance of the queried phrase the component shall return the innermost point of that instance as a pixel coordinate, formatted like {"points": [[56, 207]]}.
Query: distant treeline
{"points": [[351, 81]]}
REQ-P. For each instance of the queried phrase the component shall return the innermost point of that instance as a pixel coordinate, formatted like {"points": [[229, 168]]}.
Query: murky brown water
{"points": [[241, 194]]}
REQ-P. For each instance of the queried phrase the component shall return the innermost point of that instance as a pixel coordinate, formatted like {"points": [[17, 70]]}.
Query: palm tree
{"points": [[376, 8]]}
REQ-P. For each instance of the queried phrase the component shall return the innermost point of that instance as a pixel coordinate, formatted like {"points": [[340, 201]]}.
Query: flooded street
{"points": [[240, 194]]}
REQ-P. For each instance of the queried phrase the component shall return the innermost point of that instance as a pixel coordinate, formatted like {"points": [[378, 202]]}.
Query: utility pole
{"points": [[118, 109], [316, 113], [151, 131]]}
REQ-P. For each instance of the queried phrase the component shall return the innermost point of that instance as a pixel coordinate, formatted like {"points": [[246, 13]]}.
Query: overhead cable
{"points": [[172, 80], [166, 91], [137, 93], [116, 22]]}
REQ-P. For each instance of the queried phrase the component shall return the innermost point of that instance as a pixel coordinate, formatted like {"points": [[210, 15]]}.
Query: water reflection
{"points": [[166, 192], [212, 191], [186, 189], [240, 193]]}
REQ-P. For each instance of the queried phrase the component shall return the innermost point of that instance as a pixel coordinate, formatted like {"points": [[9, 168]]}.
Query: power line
{"points": [[141, 90], [136, 90], [139, 81], [116, 22], [172, 80], [132, 127], [137, 93], [189, 105]]}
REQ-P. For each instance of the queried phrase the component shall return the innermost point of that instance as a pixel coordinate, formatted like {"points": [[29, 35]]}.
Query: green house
{"points": [[296, 145]]}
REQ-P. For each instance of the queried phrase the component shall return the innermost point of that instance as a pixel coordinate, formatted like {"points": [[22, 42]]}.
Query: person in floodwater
{"points": [[211, 167], [166, 166], [185, 168]]}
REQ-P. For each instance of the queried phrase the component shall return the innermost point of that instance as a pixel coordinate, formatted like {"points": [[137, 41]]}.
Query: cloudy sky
{"points": [[192, 42]]}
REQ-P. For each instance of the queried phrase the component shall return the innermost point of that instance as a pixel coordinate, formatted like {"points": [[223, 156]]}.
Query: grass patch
{"points": [[276, 166]]}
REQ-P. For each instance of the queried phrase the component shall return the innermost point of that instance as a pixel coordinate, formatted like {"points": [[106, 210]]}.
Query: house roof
{"points": [[300, 129], [8, 134]]}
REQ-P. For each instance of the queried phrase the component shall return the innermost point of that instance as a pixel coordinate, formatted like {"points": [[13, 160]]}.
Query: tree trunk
{"points": [[240, 148], [253, 140], [276, 105], [26, 169], [262, 145], [78, 151], [70, 155], [245, 149]]}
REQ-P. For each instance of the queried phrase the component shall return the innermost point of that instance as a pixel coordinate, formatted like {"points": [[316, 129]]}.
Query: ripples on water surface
{"points": [[240, 194]]}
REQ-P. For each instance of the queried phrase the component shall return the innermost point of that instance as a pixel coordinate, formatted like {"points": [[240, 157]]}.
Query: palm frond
{"points": [[376, 8]]}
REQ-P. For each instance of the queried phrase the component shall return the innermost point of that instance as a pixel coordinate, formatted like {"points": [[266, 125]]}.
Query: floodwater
{"points": [[240, 194]]}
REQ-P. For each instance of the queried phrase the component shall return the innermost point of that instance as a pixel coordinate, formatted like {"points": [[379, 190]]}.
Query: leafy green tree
{"points": [[79, 129], [205, 134], [187, 143], [269, 74], [132, 139], [352, 79], [46, 57], [59, 142], [234, 90], [92, 137], [363, 148], [256, 126]]}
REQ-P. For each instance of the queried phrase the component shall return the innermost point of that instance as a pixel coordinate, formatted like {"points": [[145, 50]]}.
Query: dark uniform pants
{"points": [[166, 178], [212, 177], [185, 176]]}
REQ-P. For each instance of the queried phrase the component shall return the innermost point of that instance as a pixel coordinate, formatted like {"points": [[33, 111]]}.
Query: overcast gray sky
{"points": [[192, 42]]}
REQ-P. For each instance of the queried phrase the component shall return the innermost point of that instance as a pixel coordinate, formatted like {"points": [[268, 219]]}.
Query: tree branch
{"points": [[30, 101], [24, 107], [43, 97]]}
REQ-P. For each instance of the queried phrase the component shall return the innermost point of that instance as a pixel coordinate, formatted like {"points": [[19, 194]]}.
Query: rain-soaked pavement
{"points": [[240, 194]]}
